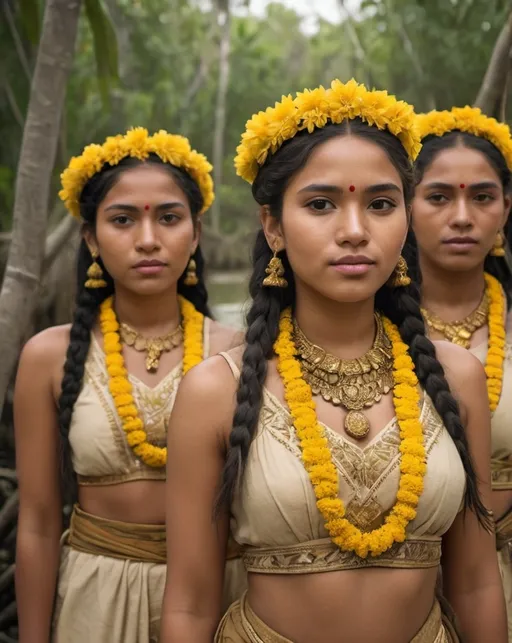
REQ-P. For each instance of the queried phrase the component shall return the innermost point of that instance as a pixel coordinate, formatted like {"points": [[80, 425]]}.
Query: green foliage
{"points": [[426, 51]]}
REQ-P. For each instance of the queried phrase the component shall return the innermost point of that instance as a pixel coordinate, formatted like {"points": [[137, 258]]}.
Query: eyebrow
{"points": [[483, 185], [334, 189], [132, 208]]}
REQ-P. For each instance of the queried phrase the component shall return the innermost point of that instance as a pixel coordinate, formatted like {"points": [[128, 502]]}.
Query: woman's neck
{"points": [[346, 330], [448, 294], [150, 315]]}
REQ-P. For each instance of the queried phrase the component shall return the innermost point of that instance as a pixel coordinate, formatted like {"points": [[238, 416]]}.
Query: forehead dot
{"points": [[352, 188], [146, 207], [462, 186]]}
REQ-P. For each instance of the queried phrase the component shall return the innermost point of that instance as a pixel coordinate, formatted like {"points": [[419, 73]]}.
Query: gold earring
{"points": [[95, 273], [399, 277], [275, 272], [191, 276], [498, 249]]}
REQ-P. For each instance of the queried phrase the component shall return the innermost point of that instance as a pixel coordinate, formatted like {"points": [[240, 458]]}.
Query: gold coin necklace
{"points": [[354, 384], [459, 332], [152, 346]]}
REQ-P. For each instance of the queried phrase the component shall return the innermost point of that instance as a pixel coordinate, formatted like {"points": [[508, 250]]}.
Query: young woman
{"points": [[103, 389], [460, 221], [346, 461]]}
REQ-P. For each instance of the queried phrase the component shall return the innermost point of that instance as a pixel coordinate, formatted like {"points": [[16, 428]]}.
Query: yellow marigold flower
{"points": [[471, 120], [121, 388], [266, 131], [137, 143]]}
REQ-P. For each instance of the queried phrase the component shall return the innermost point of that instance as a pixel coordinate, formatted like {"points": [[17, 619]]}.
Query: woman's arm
{"points": [[196, 540], [471, 577], [37, 464]]}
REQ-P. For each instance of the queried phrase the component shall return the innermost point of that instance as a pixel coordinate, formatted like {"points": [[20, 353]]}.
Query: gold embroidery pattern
{"points": [[322, 556], [363, 469]]}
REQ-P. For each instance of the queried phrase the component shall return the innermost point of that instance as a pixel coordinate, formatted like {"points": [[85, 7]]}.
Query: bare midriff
{"points": [[384, 604]]}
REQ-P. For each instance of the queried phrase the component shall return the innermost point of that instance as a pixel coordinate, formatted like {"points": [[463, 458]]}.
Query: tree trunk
{"points": [[37, 157], [220, 109], [491, 91]]}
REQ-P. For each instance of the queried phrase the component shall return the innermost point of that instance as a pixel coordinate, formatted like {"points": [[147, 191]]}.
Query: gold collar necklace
{"points": [[459, 332], [354, 384], [152, 346]]}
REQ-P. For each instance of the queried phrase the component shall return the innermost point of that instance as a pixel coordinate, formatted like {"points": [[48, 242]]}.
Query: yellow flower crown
{"points": [[171, 148], [266, 131], [470, 120]]}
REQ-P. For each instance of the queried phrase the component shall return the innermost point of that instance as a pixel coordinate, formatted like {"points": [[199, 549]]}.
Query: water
{"points": [[228, 296]]}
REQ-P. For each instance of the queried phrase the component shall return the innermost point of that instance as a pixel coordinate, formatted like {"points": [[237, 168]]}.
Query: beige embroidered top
{"points": [[274, 516], [501, 424], [100, 452]]}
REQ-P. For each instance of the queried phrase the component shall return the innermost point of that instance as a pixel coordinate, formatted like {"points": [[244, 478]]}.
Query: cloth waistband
{"points": [[127, 540], [504, 532], [241, 625], [323, 555]]}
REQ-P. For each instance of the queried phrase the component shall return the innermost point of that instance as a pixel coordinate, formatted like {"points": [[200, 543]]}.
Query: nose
{"points": [[147, 239], [461, 218], [350, 225]]}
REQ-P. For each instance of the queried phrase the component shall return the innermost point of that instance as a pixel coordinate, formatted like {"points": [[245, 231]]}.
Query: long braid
{"points": [[402, 307], [262, 331], [85, 315]]}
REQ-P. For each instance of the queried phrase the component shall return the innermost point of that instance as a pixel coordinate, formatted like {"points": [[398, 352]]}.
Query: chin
{"points": [[461, 263], [352, 292], [151, 287]]}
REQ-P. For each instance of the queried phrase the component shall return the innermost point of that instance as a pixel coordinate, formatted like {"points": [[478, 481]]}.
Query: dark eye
{"points": [[382, 205], [437, 198], [169, 217], [121, 219], [483, 198], [320, 205]]}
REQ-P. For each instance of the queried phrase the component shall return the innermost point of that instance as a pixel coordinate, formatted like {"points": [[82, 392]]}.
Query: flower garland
{"points": [[120, 386], [496, 342], [266, 131], [470, 120], [171, 148], [316, 453]]}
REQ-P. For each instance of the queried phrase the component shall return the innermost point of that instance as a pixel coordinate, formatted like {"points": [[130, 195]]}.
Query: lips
{"points": [[463, 241], [353, 260], [146, 263]]}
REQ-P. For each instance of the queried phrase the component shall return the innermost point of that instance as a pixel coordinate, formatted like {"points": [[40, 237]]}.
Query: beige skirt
{"points": [[241, 625], [504, 547], [112, 579]]}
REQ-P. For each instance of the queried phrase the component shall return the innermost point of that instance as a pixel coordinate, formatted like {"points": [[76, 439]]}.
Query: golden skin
{"points": [[335, 311], [123, 236], [453, 280]]}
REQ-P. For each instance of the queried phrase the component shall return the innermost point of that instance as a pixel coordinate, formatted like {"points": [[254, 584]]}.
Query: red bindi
{"points": [[352, 188], [146, 207], [462, 186]]}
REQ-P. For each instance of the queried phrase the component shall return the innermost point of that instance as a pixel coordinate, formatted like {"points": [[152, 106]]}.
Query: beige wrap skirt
{"points": [[111, 582]]}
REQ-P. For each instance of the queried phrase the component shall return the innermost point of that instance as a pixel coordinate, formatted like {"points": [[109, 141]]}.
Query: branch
{"points": [[57, 238], [17, 42], [13, 104], [491, 90]]}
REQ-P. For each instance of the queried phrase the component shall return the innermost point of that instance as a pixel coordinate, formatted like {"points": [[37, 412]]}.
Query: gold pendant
{"points": [[357, 425]]}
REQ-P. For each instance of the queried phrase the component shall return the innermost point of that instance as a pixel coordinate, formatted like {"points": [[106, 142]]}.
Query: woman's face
{"points": [[144, 233], [344, 220], [458, 208]]}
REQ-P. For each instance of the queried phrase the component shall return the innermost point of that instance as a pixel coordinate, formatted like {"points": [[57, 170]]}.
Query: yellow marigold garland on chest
{"points": [[497, 339], [120, 386], [137, 143], [266, 131], [470, 120], [317, 457]]}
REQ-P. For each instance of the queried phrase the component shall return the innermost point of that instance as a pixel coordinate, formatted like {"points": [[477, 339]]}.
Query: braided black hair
{"points": [[434, 145], [401, 305], [88, 301]]}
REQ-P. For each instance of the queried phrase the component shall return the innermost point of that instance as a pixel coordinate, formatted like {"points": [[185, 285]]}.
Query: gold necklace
{"points": [[459, 332], [351, 383], [152, 346]]}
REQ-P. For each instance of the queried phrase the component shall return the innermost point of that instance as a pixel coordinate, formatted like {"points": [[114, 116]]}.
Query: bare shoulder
{"points": [[47, 348], [209, 383], [464, 372], [224, 338]]}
